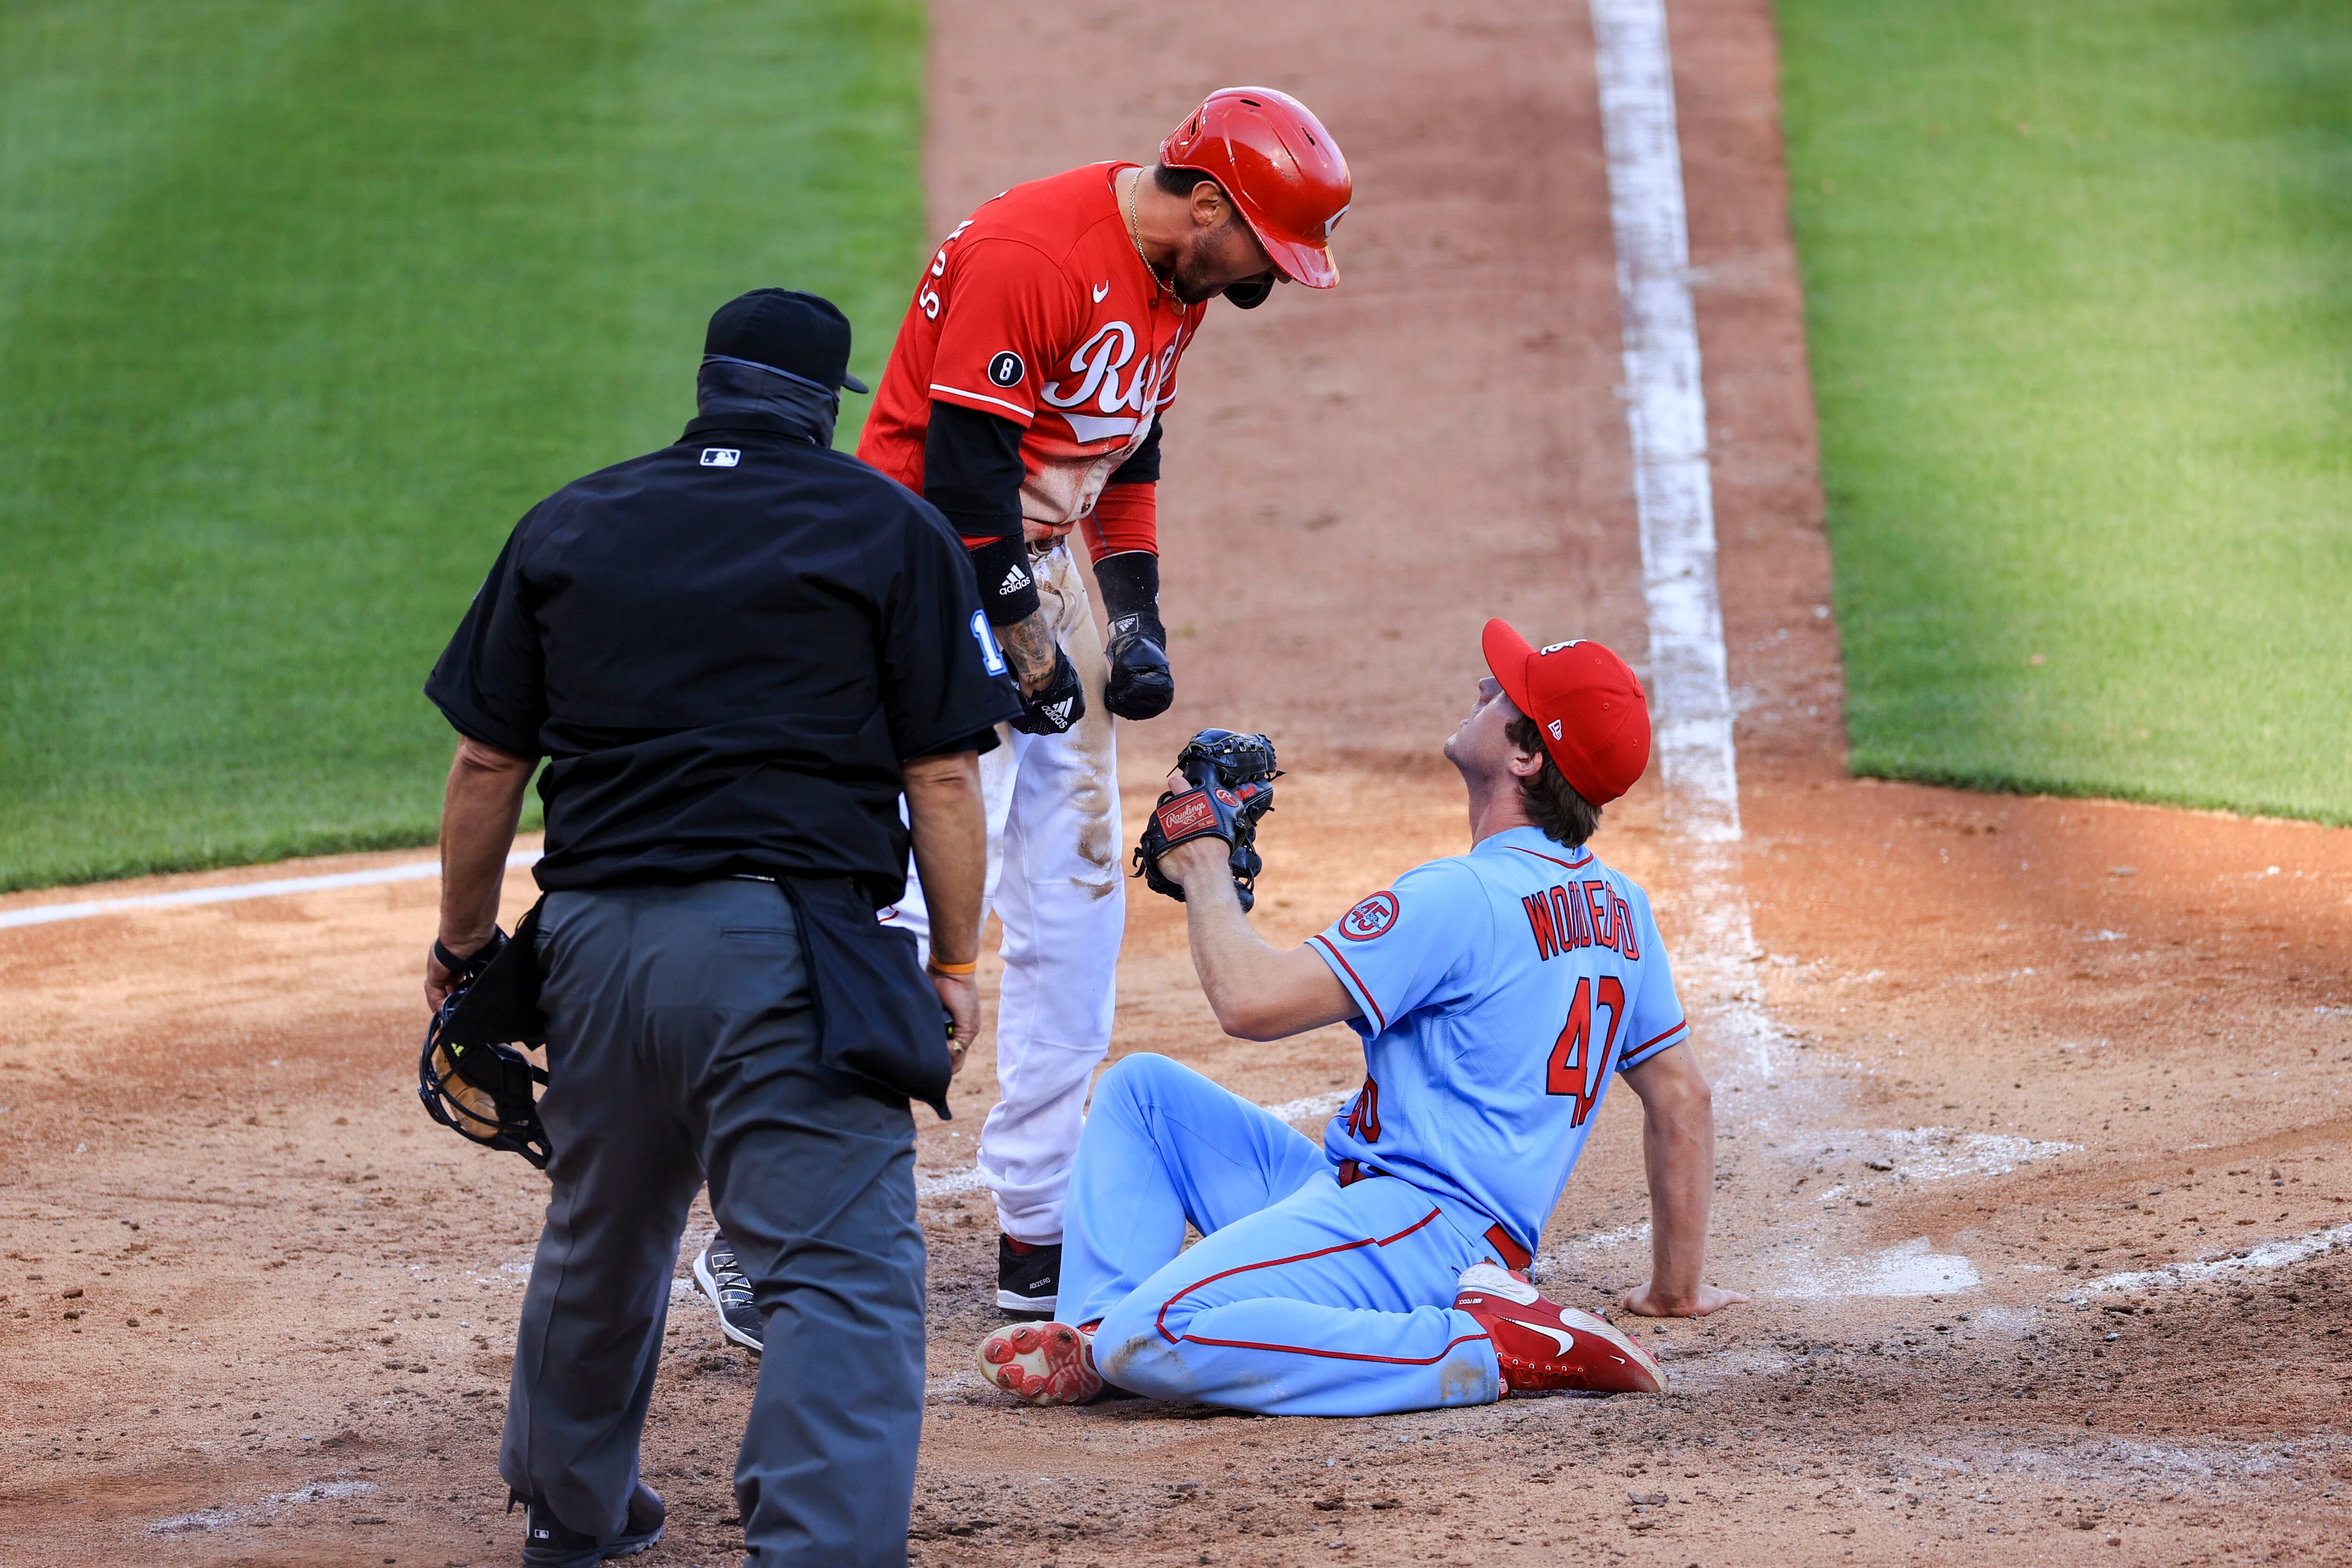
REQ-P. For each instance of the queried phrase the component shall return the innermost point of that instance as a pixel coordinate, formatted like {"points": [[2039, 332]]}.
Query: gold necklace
{"points": [[1135, 233]]}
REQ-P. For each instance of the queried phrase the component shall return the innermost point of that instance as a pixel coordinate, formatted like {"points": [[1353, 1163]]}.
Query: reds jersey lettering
{"points": [[1499, 995], [1037, 309]]}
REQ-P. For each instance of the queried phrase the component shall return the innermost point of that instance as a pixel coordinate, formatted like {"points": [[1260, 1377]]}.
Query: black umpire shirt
{"points": [[727, 649]]}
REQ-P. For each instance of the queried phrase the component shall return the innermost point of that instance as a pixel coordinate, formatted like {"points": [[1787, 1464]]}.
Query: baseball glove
{"points": [[1232, 787]]}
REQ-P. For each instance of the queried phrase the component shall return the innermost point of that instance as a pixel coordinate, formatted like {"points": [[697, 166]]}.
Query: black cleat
{"points": [[549, 1544], [729, 1290], [1028, 1278]]}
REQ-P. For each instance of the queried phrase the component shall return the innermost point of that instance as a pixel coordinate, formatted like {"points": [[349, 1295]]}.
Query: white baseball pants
{"points": [[1055, 879]]}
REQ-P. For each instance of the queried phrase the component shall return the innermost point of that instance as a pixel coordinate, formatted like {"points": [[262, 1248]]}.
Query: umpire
{"points": [[736, 654]]}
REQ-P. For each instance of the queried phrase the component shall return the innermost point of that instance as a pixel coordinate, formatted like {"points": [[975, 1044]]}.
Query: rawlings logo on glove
{"points": [[1232, 788], [1187, 817]]}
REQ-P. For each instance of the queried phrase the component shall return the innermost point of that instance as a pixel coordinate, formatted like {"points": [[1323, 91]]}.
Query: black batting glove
{"points": [[1141, 685], [1056, 709]]}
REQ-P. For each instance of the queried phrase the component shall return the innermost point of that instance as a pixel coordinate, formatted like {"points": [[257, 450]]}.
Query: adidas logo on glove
{"points": [[1015, 579], [1059, 712]]}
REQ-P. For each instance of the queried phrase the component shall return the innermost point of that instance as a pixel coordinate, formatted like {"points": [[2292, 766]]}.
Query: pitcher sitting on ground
{"points": [[1495, 992]]}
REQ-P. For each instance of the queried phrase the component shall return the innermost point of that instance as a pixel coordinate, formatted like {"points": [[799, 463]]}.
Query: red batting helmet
{"points": [[1280, 166]]}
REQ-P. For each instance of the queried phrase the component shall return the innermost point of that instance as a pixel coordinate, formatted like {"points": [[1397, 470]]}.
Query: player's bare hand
{"points": [[960, 994], [1649, 1301], [1203, 857]]}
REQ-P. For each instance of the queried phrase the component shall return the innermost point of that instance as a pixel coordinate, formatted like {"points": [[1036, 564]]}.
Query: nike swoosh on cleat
{"points": [[1567, 1341]]}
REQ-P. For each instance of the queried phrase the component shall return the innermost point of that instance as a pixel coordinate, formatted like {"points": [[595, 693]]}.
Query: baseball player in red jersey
{"points": [[1023, 399]]}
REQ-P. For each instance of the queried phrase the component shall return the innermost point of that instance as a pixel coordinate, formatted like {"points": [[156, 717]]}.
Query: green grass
{"points": [[2078, 287], [301, 307]]}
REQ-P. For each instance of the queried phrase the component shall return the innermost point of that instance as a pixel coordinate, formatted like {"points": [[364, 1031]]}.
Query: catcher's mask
{"points": [[469, 1075]]}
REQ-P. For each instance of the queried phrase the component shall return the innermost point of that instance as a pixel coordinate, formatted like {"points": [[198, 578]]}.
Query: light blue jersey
{"points": [[1499, 989]]}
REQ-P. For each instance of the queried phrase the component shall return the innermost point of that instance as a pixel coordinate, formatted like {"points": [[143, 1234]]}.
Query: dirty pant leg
{"points": [[1165, 1147], [1062, 901], [1334, 1301], [621, 1176]]}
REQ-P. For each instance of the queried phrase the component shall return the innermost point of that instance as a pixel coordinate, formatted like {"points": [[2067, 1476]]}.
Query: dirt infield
{"points": [[2037, 1173]]}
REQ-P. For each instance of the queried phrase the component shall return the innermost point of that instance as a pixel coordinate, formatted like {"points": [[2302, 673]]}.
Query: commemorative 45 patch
{"points": [[1369, 918]]}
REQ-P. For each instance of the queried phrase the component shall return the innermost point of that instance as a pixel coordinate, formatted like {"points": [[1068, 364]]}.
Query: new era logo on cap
{"points": [[1554, 727]]}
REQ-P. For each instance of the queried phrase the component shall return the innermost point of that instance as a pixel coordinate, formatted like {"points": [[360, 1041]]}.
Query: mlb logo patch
{"points": [[721, 457]]}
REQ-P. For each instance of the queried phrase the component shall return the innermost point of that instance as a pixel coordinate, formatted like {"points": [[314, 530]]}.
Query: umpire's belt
{"points": [[1513, 1255]]}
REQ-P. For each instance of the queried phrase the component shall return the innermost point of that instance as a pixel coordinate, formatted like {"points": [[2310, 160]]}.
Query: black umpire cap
{"points": [[802, 336]]}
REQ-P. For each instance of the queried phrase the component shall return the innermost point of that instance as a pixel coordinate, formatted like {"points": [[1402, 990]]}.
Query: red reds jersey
{"points": [[1039, 309]]}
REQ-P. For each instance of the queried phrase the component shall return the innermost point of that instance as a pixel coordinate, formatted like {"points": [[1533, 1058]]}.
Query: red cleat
{"points": [[1042, 1363], [1543, 1346]]}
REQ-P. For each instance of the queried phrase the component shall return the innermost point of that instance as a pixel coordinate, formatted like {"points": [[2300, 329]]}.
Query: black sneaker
{"points": [[729, 1290], [1028, 1278], [549, 1544]]}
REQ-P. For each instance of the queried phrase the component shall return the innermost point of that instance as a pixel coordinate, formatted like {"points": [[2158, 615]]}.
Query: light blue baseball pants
{"points": [[1303, 1298]]}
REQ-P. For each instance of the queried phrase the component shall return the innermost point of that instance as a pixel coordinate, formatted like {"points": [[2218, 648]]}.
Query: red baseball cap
{"points": [[1585, 699]]}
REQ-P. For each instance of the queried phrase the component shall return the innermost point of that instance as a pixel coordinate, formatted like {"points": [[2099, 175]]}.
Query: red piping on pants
{"points": [[1161, 1323]]}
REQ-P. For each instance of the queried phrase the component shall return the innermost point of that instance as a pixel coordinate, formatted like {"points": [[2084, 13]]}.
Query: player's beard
{"points": [[1188, 278]]}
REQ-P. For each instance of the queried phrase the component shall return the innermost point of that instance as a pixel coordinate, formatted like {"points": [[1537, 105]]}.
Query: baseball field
{"points": [[301, 307], [2077, 299], [2031, 1107]]}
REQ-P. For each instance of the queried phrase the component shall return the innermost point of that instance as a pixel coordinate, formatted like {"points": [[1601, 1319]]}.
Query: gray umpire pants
{"points": [[683, 1046]]}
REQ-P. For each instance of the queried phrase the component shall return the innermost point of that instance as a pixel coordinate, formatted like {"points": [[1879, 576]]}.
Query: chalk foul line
{"points": [[1665, 414], [236, 892], [2283, 1252]]}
